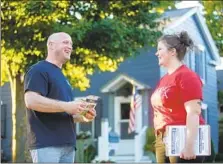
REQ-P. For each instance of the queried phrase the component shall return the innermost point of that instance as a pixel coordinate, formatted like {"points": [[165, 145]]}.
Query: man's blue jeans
{"points": [[53, 154]]}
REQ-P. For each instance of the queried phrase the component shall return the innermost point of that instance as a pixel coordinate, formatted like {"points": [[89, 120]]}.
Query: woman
{"points": [[177, 97]]}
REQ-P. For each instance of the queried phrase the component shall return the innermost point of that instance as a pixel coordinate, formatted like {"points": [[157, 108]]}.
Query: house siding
{"points": [[7, 140], [145, 108], [110, 110], [143, 67], [210, 98]]}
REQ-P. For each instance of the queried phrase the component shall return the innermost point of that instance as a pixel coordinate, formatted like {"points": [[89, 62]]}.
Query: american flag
{"points": [[135, 105]]}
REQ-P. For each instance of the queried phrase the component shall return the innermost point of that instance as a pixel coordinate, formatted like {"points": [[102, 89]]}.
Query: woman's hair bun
{"points": [[185, 39]]}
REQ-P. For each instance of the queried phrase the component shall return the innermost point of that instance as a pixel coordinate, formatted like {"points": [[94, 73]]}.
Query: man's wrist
{"points": [[63, 106]]}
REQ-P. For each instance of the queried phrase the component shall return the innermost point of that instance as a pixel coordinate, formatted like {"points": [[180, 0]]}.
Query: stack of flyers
{"points": [[88, 107], [175, 140], [91, 102]]}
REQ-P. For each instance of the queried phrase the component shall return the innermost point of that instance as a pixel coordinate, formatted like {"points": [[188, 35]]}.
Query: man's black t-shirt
{"points": [[49, 129]]}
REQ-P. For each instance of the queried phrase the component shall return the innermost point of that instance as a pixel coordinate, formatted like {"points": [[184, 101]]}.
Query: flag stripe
{"points": [[135, 105]]}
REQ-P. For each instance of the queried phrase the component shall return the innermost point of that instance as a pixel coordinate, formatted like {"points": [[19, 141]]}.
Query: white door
{"points": [[122, 109]]}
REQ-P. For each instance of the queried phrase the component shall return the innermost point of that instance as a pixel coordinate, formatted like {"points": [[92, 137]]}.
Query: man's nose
{"points": [[70, 47]]}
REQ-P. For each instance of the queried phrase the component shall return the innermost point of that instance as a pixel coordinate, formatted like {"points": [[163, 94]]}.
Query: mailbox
{"points": [[113, 139]]}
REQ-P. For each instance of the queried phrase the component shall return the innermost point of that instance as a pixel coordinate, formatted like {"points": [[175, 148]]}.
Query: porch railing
{"points": [[103, 143], [140, 141]]}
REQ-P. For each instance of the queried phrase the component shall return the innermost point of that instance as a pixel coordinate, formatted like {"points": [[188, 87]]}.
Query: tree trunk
{"points": [[19, 135]]}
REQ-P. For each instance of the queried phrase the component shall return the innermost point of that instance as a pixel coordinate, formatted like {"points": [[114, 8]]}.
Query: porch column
{"points": [[103, 145]]}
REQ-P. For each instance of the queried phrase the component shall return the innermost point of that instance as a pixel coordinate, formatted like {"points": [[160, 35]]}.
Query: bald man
{"points": [[50, 105]]}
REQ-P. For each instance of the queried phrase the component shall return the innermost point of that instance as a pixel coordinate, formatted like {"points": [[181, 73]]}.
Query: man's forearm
{"points": [[40, 103], [192, 129]]}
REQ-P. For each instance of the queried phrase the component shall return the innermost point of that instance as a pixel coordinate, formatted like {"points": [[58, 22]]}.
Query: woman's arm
{"points": [[193, 109]]}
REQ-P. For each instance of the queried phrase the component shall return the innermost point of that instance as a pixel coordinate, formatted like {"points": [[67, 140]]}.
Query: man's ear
{"points": [[50, 45]]}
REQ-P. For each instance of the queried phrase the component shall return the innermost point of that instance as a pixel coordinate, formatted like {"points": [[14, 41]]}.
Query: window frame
{"points": [[204, 109], [200, 67]]}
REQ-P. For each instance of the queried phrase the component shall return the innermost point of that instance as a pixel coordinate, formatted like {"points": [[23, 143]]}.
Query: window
{"points": [[204, 112], [125, 110], [221, 109], [200, 62], [187, 59], [124, 121]]}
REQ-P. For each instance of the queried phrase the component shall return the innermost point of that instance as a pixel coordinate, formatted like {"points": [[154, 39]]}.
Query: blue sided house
{"points": [[143, 72]]}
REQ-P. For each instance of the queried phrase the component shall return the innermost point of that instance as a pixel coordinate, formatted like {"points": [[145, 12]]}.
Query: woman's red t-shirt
{"points": [[170, 95]]}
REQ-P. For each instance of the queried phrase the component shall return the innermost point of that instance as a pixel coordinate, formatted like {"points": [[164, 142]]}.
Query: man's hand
{"points": [[86, 112], [90, 115], [75, 107], [86, 117]]}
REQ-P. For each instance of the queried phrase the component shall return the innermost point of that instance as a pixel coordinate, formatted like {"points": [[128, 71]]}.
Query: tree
{"points": [[214, 19], [104, 34], [23, 36]]}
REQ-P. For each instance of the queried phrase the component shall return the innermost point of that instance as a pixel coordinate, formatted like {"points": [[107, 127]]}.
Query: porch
{"points": [[110, 148], [116, 143]]}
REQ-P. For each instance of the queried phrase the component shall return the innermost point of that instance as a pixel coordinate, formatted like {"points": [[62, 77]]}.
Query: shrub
{"points": [[219, 157], [150, 139]]}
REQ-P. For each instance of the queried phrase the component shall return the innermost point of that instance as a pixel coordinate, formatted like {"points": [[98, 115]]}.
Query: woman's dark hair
{"points": [[181, 42]]}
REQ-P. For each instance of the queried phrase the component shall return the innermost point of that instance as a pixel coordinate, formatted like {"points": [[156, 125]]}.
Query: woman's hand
{"points": [[188, 153]]}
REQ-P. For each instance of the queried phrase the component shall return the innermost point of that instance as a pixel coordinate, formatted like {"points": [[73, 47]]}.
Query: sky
{"points": [[186, 4]]}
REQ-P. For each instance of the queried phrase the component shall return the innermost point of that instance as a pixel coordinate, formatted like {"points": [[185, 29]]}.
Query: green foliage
{"points": [[212, 157], [83, 135], [220, 136], [89, 153], [214, 20], [220, 97], [219, 158], [86, 150], [3, 157], [150, 139], [104, 34], [24, 30]]}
